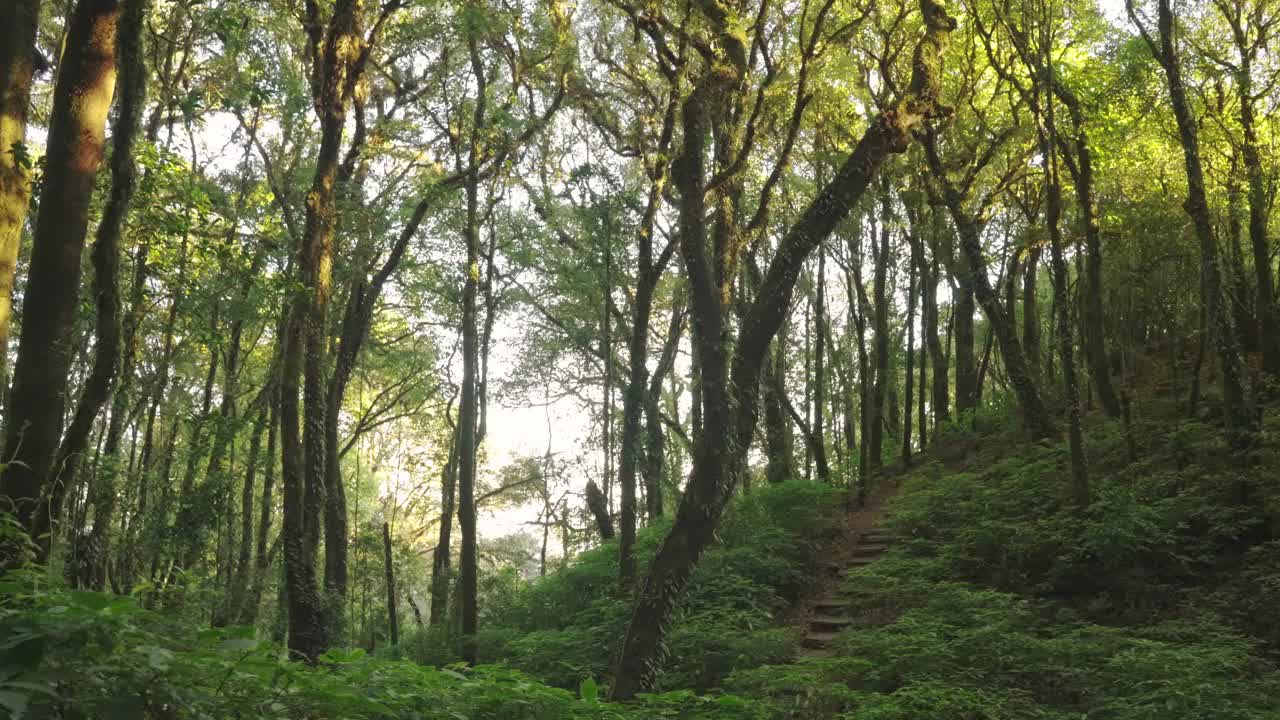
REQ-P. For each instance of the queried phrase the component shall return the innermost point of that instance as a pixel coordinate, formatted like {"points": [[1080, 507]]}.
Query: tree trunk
{"points": [[820, 369], [440, 557], [77, 126], [599, 508], [637, 385], [881, 348], [1035, 415], [910, 354], [1066, 354], [963, 307], [17, 55], [655, 440], [240, 586], [1031, 309], [778, 448], [1239, 421], [304, 455], [262, 561], [1264, 290], [393, 616], [106, 261], [940, 388]]}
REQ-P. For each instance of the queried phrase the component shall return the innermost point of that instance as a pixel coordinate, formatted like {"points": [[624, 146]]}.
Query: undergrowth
{"points": [[1005, 601]]}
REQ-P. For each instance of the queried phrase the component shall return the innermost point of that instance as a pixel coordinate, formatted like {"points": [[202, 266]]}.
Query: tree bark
{"points": [[910, 354], [389, 569], [333, 48], [655, 437], [1066, 352], [599, 508], [649, 273], [17, 56], [440, 557], [820, 370], [880, 294], [262, 559], [1264, 290], [778, 447], [77, 126], [106, 261]]}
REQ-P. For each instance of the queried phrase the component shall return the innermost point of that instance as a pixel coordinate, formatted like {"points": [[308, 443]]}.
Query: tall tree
{"points": [[334, 46], [77, 129], [730, 376], [1239, 420], [1252, 28], [17, 67]]}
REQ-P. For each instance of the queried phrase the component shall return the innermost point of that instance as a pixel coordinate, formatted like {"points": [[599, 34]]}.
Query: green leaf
{"points": [[239, 644], [16, 703], [158, 658], [589, 690], [91, 600]]}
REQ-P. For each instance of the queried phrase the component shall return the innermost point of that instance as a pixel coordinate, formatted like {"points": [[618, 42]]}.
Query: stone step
{"points": [[830, 605], [878, 536], [819, 639], [863, 560], [829, 623], [869, 548]]}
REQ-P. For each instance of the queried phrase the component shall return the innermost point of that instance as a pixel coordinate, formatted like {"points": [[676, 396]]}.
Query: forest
{"points": [[636, 359]]}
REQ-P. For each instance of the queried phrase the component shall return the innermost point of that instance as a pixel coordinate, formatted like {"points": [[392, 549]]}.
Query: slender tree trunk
{"points": [[655, 438], [858, 307], [440, 557], [77, 126], [1035, 415], [1066, 353], [1031, 309], [393, 616], [1239, 421], [243, 577], [106, 261], [637, 385], [820, 369], [940, 386], [262, 559], [966, 362], [910, 354], [468, 441], [1264, 286], [781, 466]]}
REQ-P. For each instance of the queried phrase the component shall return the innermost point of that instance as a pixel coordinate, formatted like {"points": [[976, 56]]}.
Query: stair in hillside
{"points": [[831, 611]]}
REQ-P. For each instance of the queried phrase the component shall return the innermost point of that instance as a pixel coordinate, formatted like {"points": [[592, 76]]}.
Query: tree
{"points": [[335, 47], [730, 379], [77, 127], [17, 67], [1239, 420]]}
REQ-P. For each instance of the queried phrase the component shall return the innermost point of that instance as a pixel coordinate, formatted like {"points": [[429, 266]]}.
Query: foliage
{"points": [[1005, 601], [563, 627], [77, 654]]}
